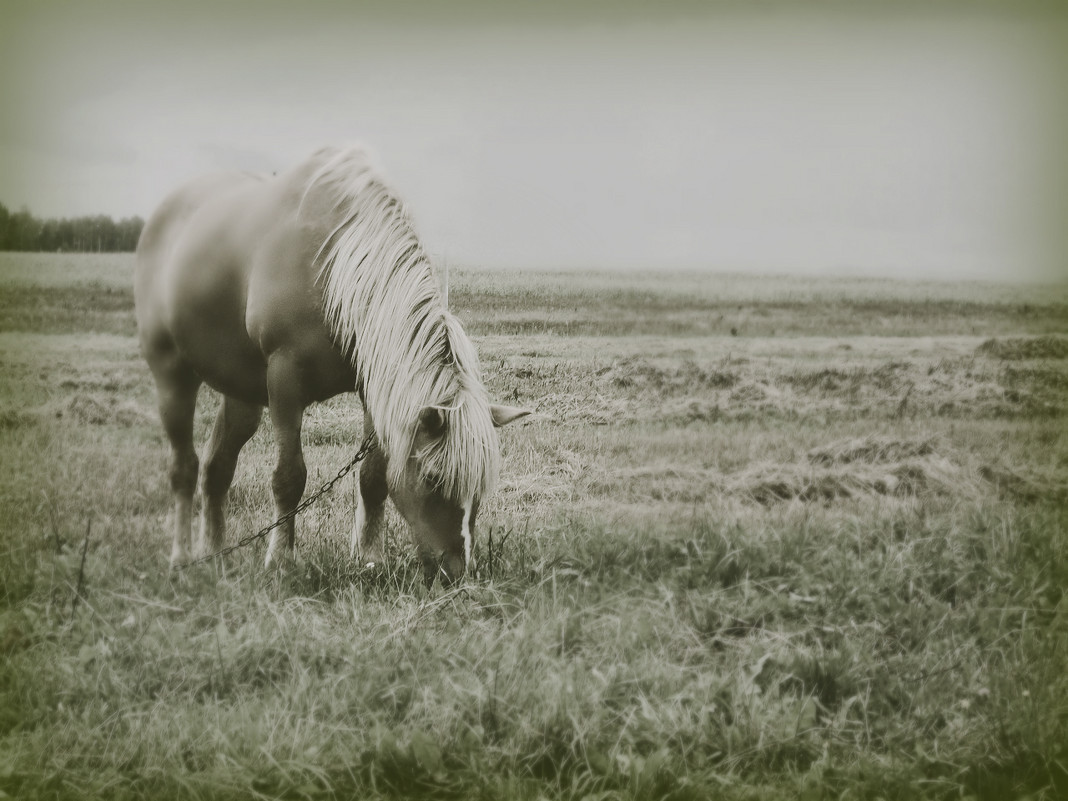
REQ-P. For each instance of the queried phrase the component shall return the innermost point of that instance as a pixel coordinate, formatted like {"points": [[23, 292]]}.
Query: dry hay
{"points": [[595, 408], [1025, 487], [538, 477], [682, 411], [1022, 348], [640, 374], [870, 449], [767, 484], [91, 410], [586, 409], [15, 418], [886, 466], [852, 468]]}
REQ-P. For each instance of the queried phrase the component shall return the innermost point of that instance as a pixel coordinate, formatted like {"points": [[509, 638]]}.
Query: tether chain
{"points": [[366, 447]]}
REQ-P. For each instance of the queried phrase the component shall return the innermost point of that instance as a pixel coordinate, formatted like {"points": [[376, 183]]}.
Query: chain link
{"points": [[365, 448]]}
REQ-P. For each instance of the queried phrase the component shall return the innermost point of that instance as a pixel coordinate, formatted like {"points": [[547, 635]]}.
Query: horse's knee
{"points": [[373, 486], [214, 485], [288, 482], [218, 475], [184, 473]]}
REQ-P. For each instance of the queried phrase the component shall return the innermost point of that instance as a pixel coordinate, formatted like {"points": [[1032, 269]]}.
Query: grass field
{"points": [[764, 538]]}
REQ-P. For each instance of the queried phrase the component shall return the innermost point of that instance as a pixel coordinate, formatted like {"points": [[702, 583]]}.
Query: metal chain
{"points": [[365, 448]]}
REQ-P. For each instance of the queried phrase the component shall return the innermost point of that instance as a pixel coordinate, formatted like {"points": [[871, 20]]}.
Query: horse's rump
{"points": [[224, 276]]}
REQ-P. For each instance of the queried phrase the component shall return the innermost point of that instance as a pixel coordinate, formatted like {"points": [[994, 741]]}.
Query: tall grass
{"points": [[717, 567]]}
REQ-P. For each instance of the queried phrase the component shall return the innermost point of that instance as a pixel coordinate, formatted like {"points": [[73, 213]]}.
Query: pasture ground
{"points": [[765, 538]]}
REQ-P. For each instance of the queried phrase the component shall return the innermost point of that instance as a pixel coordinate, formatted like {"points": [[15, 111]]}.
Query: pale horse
{"points": [[285, 291]]}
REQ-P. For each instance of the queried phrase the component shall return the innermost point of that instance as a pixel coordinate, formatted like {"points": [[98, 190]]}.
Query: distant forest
{"points": [[20, 230]]}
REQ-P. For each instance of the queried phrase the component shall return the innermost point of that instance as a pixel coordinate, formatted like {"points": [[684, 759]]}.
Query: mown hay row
{"points": [[1051, 346], [865, 467]]}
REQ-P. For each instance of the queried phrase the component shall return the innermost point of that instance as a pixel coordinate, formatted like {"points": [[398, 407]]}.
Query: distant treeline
{"points": [[20, 230]]}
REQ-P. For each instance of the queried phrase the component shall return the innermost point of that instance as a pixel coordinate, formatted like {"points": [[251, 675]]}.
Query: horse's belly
{"points": [[207, 323], [226, 366]]}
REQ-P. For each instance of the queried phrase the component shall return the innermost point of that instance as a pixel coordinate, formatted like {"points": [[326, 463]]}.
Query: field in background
{"points": [[765, 538]]}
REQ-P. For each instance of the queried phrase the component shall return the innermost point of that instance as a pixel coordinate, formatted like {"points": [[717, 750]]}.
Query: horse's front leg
{"points": [[286, 406], [371, 500]]}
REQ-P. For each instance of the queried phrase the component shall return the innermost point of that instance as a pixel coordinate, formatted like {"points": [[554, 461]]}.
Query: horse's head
{"points": [[442, 519]]}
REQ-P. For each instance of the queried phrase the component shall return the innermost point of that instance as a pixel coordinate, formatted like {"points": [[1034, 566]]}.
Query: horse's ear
{"points": [[503, 415], [432, 420]]}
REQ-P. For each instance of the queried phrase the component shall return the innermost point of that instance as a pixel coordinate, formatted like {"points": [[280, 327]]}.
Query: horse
{"points": [[283, 291]]}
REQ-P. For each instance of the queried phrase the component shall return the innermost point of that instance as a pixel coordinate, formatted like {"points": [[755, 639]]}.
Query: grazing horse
{"points": [[285, 291]]}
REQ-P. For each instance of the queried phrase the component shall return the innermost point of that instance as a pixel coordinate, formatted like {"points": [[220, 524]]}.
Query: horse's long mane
{"points": [[384, 306]]}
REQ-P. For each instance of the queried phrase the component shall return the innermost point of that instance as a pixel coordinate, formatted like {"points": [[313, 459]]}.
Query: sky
{"points": [[904, 140]]}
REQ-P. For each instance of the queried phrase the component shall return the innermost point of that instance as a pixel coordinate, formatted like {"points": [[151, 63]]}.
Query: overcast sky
{"points": [[893, 143]]}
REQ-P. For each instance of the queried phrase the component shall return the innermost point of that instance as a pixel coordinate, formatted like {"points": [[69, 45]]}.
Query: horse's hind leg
{"points": [[235, 424], [370, 504], [177, 386]]}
